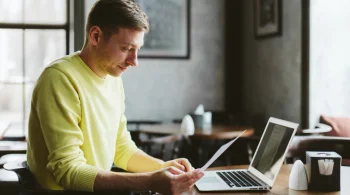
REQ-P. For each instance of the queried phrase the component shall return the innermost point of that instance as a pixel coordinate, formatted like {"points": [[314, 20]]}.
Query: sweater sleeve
{"points": [[125, 146], [58, 107]]}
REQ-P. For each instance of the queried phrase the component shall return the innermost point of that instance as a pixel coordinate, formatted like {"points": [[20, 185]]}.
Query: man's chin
{"points": [[116, 74]]}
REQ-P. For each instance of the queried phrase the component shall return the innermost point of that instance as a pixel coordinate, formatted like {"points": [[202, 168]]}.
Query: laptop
{"points": [[263, 169]]}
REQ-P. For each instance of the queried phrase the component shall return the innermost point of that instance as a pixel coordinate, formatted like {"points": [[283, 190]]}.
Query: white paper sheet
{"points": [[219, 152]]}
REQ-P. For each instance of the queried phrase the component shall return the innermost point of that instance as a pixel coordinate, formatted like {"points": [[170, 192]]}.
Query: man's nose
{"points": [[132, 59]]}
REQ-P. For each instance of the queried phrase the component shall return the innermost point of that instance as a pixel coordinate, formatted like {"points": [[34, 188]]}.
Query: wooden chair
{"points": [[9, 182], [165, 147], [301, 144], [158, 145]]}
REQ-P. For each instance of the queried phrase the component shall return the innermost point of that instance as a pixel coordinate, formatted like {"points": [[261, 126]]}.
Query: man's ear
{"points": [[95, 34]]}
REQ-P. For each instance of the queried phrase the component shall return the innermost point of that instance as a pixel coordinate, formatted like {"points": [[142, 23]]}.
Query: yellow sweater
{"points": [[76, 126]]}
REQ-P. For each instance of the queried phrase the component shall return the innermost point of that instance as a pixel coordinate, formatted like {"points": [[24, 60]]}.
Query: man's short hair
{"points": [[110, 15]]}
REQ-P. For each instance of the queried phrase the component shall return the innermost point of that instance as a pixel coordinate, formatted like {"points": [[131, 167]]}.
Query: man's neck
{"points": [[89, 59]]}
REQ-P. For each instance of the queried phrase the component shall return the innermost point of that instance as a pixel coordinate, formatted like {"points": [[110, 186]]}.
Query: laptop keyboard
{"points": [[238, 179]]}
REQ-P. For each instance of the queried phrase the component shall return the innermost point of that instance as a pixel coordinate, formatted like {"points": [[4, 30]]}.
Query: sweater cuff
{"points": [[86, 178]]}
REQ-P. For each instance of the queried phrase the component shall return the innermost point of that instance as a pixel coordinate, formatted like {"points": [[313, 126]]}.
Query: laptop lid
{"points": [[272, 148]]}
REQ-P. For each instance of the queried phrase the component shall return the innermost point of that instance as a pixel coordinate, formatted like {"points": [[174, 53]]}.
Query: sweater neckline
{"points": [[90, 72]]}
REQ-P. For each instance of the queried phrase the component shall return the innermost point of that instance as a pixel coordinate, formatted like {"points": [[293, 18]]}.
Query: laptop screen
{"points": [[269, 156]]}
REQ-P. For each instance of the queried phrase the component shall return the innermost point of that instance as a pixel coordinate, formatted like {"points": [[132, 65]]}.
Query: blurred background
{"points": [[297, 75], [243, 60]]}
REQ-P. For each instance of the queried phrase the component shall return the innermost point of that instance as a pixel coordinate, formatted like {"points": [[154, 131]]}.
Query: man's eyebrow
{"points": [[127, 43]]}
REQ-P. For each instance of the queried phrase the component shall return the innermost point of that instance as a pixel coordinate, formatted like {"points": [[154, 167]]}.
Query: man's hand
{"points": [[171, 180], [181, 163]]}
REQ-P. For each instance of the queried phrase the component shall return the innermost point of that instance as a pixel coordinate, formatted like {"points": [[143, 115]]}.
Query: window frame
{"points": [[25, 26]]}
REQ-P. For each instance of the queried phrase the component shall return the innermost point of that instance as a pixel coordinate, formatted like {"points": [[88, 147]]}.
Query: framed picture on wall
{"points": [[169, 35], [267, 18]]}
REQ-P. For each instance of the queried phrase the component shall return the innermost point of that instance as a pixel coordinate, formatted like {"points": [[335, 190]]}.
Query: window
{"points": [[33, 33]]}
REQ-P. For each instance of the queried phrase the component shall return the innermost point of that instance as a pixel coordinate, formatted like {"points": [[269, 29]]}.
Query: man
{"points": [[77, 127]]}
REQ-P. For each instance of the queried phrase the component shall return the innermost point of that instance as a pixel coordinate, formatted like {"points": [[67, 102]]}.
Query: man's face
{"points": [[119, 52]]}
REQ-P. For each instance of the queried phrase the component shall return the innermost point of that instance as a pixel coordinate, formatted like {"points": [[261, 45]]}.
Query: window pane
{"points": [[45, 11], [11, 103], [33, 11], [11, 11], [41, 48], [11, 107], [11, 55], [17, 129], [28, 99], [20, 128]]}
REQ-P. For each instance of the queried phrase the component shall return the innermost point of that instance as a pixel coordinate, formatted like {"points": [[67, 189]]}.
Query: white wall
{"points": [[168, 89], [329, 59]]}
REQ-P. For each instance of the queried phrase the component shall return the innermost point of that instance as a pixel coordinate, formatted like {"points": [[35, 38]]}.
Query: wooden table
{"points": [[12, 147], [199, 149], [281, 184], [209, 132]]}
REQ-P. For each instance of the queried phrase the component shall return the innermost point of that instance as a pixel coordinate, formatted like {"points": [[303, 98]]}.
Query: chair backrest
{"points": [[301, 144], [165, 147], [340, 125]]}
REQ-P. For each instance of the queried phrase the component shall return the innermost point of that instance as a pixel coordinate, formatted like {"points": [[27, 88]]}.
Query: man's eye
{"points": [[125, 48]]}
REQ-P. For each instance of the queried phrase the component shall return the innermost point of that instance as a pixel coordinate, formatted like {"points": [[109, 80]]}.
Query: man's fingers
{"points": [[196, 175], [186, 163], [175, 171], [181, 163], [178, 165], [195, 178], [184, 182]]}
